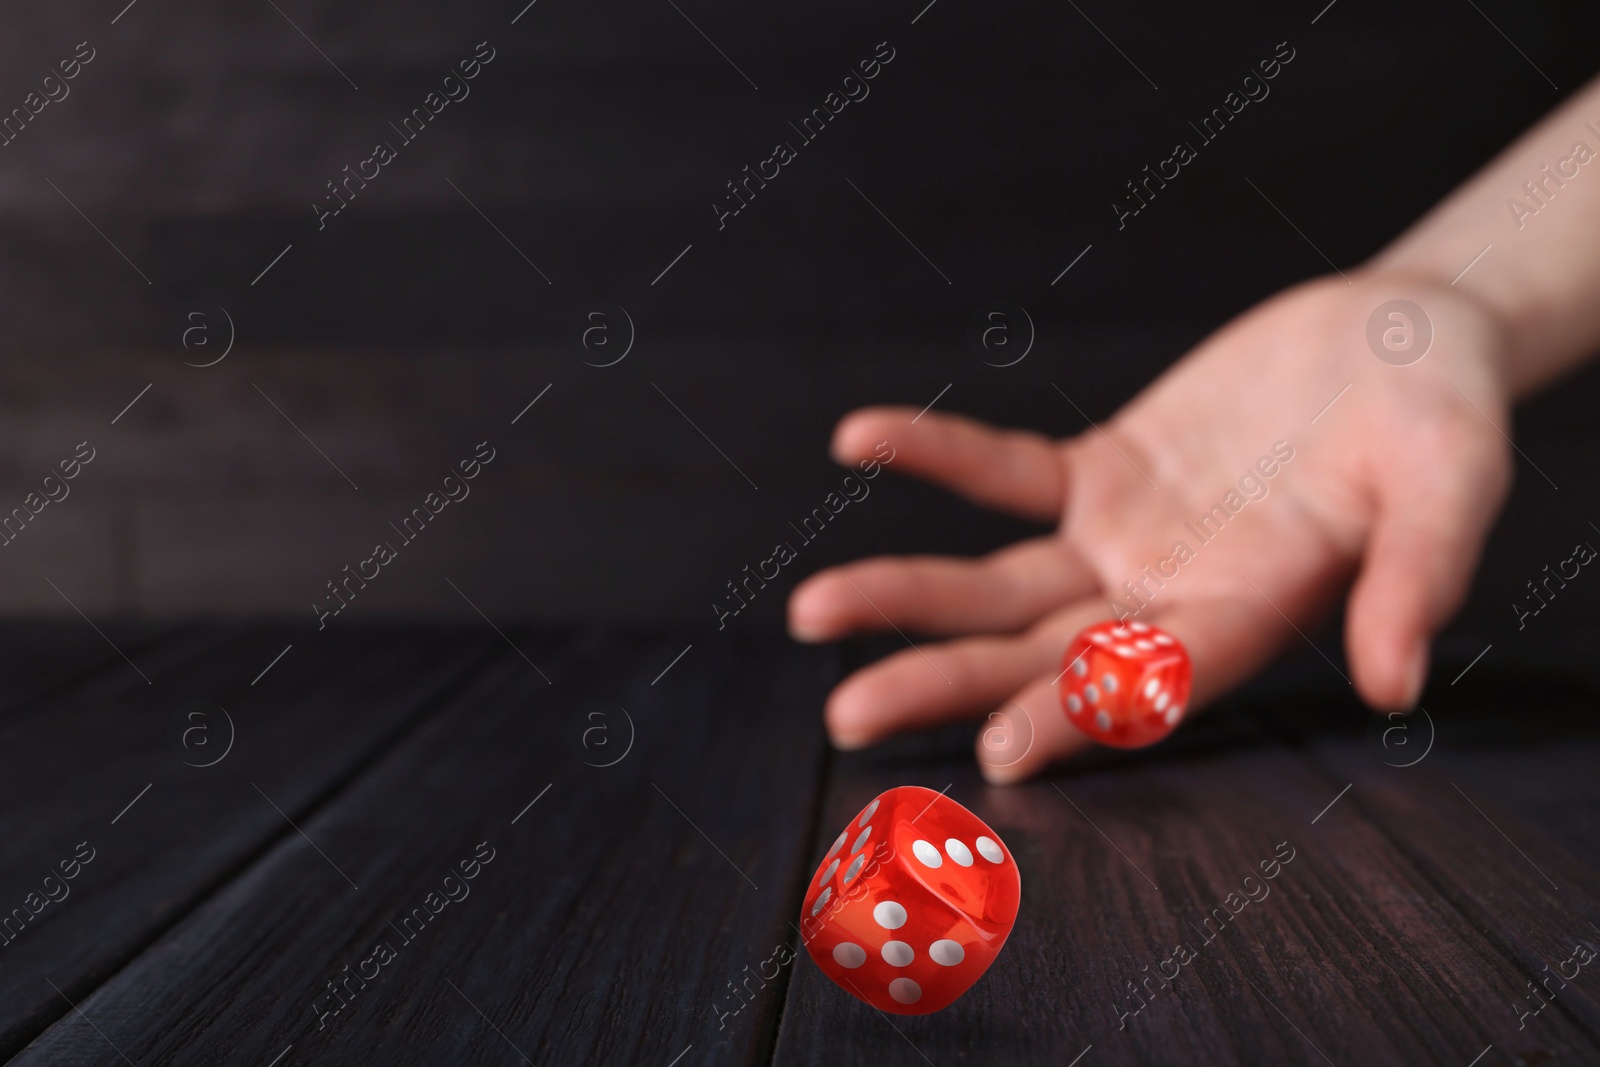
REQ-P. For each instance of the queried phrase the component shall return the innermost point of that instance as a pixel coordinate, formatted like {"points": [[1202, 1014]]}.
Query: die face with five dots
{"points": [[1125, 684], [912, 902]]}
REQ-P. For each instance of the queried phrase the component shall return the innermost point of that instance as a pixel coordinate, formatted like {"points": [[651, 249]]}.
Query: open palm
{"points": [[1393, 486]]}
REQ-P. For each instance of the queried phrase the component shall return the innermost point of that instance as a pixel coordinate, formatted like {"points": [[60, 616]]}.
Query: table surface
{"points": [[245, 829]]}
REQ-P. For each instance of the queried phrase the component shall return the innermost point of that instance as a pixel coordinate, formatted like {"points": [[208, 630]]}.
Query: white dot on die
{"points": [[861, 839], [889, 915], [1079, 667], [1172, 715], [837, 845], [905, 991], [834, 866], [1161, 700], [1090, 693], [1099, 639], [959, 852], [865, 815], [926, 854], [849, 954], [1139, 627], [1150, 687], [1125, 650], [854, 868], [946, 953], [1074, 705], [989, 849], [1163, 640], [822, 900], [1102, 720], [897, 953], [1109, 683], [1120, 631], [1144, 646]]}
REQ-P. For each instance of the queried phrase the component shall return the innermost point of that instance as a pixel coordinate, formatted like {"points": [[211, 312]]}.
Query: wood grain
{"points": [[76, 768], [1371, 948], [614, 914], [626, 897]]}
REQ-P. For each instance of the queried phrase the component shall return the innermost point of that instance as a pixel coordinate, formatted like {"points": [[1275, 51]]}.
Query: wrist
{"points": [[1452, 308]]}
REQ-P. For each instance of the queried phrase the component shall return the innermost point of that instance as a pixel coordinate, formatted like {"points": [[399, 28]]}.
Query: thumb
{"points": [[1420, 557]]}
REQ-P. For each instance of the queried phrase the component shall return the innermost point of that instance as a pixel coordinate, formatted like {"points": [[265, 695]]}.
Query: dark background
{"points": [[408, 330]]}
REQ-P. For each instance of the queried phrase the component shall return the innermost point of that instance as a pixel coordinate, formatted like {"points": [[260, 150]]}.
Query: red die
{"points": [[912, 902], [1125, 684]]}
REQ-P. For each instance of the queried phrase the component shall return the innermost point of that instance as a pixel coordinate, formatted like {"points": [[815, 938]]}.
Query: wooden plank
{"points": [[619, 905], [1354, 955], [108, 763], [42, 656], [1499, 815]]}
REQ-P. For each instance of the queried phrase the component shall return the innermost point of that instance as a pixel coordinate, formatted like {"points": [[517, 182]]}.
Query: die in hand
{"points": [[1125, 684], [912, 903]]}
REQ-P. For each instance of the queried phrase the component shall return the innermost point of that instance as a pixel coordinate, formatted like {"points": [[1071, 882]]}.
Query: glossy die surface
{"points": [[912, 902], [1125, 684]]}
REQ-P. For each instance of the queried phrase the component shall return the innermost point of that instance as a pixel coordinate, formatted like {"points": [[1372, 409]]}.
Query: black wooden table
{"points": [[407, 845]]}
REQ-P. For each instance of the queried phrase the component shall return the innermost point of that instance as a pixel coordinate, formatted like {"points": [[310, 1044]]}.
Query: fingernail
{"points": [[845, 733], [808, 619], [807, 633], [998, 774], [1416, 676]]}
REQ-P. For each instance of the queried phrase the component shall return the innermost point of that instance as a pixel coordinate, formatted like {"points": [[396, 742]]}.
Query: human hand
{"points": [[1389, 491]]}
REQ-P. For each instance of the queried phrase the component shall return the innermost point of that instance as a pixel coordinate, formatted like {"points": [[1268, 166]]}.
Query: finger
{"points": [[1227, 641], [1027, 733], [1011, 470], [1002, 592], [1230, 638], [1421, 555], [927, 685]]}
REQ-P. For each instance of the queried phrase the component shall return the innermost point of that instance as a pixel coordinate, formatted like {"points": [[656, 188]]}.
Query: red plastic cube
{"points": [[1125, 684], [912, 903]]}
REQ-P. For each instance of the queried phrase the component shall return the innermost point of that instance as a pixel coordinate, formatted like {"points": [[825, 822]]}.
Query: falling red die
{"points": [[1125, 684], [912, 902]]}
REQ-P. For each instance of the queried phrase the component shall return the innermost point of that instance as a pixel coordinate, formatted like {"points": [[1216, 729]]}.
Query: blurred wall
{"points": [[576, 174]]}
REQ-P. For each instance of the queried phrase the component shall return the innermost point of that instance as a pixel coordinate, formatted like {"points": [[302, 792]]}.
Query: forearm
{"points": [[1536, 207]]}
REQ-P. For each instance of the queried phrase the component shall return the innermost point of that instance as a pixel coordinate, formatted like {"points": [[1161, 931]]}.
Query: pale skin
{"points": [[1387, 500]]}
